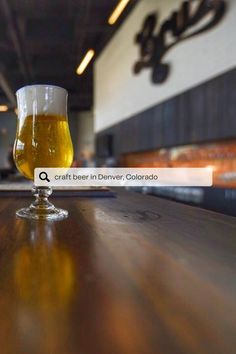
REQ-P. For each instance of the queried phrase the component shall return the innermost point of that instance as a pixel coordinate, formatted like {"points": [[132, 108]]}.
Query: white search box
{"points": [[123, 177]]}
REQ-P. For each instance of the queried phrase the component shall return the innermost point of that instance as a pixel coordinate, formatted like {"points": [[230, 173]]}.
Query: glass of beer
{"points": [[42, 140]]}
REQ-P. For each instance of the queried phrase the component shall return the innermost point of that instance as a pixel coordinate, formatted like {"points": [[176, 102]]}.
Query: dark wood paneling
{"points": [[203, 114], [197, 115], [169, 121], [229, 104], [214, 96], [158, 126]]}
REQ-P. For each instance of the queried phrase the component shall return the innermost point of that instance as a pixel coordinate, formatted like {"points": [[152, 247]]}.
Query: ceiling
{"points": [[43, 41]]}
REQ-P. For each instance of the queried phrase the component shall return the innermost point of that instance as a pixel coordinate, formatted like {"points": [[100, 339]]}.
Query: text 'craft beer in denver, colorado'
{"points": [[42, 140]]}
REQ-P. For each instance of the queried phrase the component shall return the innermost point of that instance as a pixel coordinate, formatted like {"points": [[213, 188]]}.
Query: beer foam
{"points": [[41, 99]]}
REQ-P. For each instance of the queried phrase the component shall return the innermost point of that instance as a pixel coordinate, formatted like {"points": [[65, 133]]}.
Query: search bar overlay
{"points": [[123, 177]]}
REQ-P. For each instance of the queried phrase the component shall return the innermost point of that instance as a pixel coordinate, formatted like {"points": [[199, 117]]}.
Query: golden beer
{"points": [[42, 141]]}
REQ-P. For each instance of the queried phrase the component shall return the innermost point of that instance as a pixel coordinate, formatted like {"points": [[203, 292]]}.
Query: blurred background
{"points": [[139, 95]]}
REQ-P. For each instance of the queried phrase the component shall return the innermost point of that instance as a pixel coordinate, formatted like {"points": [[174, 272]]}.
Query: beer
{"points": [[42, 141]]}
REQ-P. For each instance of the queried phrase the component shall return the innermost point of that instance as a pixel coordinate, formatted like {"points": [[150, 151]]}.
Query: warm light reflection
{"points": [[83, 65], [3, 108], [39, 279], [44, 272], [220, 157], [117, 12], [43, 278], [211, 167]]}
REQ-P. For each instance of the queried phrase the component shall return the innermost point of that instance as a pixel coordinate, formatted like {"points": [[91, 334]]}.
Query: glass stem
{"points": [[41, 204], [41, 208]]}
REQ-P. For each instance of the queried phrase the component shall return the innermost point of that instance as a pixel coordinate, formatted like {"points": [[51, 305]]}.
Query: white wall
{"points": [[85, 132], [119, 94]]}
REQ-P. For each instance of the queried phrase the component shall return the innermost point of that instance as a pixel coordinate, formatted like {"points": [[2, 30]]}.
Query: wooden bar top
{"points": [[127, 275]]}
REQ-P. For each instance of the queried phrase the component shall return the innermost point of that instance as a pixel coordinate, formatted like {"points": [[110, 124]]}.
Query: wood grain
{"points": [[132, 275]]}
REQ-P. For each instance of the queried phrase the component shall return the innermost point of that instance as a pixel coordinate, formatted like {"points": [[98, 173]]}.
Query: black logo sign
{"points": [[153, 46]]}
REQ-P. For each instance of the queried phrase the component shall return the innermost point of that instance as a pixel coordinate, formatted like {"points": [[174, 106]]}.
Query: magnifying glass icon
{"points": [[44, 176]]}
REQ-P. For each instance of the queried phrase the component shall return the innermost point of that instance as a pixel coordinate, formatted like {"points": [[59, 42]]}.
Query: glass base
{"points": [[41, 208], [53, 214]]}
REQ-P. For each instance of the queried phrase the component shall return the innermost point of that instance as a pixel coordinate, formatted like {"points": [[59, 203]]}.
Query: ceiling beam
{"points": [[80, 39], [17, 41], [7, 89]]}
